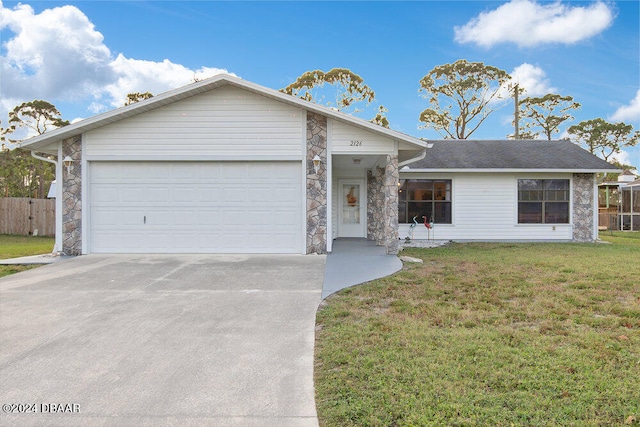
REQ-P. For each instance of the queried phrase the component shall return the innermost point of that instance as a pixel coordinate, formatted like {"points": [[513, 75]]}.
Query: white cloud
{"points": [[55, 53], [533, 80], [530, 78], [58, 55], [623, 157], [528, 23], [136, 75], [628, 113]]}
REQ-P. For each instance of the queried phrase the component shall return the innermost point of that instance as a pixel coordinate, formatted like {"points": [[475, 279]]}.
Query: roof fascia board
{"points": [[441, 170]]}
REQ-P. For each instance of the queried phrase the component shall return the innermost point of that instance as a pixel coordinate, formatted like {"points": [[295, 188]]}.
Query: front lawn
{"points": [[17, 246], [487, 334]]}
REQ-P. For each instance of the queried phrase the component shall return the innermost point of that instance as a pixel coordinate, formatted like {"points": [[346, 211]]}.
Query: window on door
{"points": [[424, 198], [351, 204]]}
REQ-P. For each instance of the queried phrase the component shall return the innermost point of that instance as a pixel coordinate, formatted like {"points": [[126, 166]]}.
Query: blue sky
{"points": [[85, 56]]}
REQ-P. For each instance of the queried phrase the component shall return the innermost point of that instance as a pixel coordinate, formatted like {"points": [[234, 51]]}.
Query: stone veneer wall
{"points": [[382, 205], [390, 185], [72, 198], [375, 205], [583, 210], [316, 184]]}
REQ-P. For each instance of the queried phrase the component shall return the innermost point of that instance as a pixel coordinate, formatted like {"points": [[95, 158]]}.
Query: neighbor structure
{"points": [[630, 206], [620, 203], [227, 166]]}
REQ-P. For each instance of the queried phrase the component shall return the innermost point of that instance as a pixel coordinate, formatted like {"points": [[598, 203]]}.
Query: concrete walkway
{"points": [[355, 261], [33, 260]]}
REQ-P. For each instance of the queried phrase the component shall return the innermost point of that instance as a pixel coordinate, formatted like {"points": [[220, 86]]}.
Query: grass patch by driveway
{"points": [[17, 246], [487, 334]]}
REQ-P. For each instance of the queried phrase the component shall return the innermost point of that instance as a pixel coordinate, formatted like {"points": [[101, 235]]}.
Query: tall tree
{"points": [[132, 98], [545, 113], [349, 91], [2, 138], [36, 116], [21, 174], [604, 138], [381, 118], [459, 95], [609, 176]]}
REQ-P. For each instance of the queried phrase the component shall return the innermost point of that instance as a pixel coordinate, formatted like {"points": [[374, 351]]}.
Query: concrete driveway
{"points": [[118, 340]]}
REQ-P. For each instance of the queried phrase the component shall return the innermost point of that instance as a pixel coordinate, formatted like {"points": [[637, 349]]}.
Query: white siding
{"points": [[485, 207], [342, 136], [225, 123]]}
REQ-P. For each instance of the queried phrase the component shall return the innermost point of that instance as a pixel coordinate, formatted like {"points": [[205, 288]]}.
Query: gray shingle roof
{"points": [[510, 155]]}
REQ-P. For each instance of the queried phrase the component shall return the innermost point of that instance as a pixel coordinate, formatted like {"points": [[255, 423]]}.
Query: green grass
{"points": [[17, 246], [487, 334]]}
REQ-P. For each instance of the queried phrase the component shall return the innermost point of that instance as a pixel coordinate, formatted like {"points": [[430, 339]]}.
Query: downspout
{"points": [[419, 157], [415, 159], [56, 249], [631, 206]]}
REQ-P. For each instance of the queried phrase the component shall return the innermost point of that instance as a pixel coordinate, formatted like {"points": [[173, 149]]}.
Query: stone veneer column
{"points": [[583, 207], [390, 185], [375, 205], [316, 184], [72, 198]]}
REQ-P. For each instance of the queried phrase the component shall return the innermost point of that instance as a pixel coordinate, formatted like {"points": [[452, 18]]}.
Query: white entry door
{"points": [[352, 208]]}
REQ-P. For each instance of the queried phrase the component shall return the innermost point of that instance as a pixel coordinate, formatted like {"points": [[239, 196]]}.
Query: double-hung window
{"points": [[543, 201], [424, 198]]}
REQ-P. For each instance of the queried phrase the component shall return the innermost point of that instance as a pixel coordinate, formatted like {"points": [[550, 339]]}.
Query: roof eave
{"points": [[122, 113], [184, 92], [505, 170], [326, 111]]}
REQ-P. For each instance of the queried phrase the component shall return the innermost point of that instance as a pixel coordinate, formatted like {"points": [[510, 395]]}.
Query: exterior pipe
{"points": [[33, 153], [415, 159]]}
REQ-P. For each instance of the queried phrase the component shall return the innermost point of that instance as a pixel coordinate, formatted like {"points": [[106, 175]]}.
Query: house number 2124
{"points": [[355, 143]]}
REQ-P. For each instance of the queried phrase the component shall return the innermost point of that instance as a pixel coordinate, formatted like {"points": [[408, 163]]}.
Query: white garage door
{"points": [[195, 207]]}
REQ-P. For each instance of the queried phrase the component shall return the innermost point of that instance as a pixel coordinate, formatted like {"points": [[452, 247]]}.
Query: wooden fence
{"points": [[608, 221], [25, 216]]}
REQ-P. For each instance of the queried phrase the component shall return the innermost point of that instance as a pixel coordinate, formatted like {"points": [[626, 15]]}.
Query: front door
{"points": [[352, 208]]}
